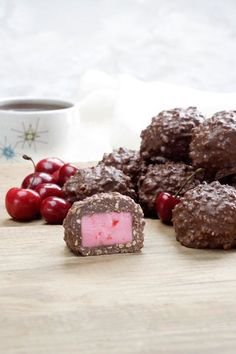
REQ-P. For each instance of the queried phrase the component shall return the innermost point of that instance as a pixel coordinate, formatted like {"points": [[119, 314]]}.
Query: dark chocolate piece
{"points": [[105, 223], [170, 133], [206, 217], [168, 177], [145, 164], [125, 160], [99, 179], [214, 143]]}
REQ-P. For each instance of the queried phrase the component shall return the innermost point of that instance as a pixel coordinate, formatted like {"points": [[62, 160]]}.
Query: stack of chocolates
{"points": [[173, 146]]}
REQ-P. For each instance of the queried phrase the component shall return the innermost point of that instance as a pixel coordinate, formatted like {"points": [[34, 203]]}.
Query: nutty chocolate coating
{"points": [[99, 179], [213, 144], [144, 164], [168, 177], [102, 203], [170, 133], [125, 160], [206, 217]]}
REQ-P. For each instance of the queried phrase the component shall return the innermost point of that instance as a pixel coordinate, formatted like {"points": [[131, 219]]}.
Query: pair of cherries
{"points": [[41, 192]]}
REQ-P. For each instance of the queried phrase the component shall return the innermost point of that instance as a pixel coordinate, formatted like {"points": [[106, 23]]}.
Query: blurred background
{"points": [[122, 60], [47, 45]]}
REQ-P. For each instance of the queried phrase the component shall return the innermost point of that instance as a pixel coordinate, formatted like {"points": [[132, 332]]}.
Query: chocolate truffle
{"points": [[125, 160], [103, 224], [145, 164], [168, 177], [213, 144], [92, 180], [206, 217], [170, 133]]}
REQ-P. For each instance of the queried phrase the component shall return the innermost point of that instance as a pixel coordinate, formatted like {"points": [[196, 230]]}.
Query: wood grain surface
{"points": [[168, 299]]}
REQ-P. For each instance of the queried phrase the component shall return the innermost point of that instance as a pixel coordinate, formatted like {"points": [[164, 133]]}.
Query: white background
{"points": [[47, 45]]}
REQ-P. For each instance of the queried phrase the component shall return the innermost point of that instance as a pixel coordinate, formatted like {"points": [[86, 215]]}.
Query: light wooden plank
{"points": [[167, 299]]}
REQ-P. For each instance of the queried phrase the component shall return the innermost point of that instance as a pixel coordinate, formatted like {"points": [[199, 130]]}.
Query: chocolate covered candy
{"points": [[168, 177], [105, 223], [213, 145], [99, 179], [125, 160], [170, 133], [206, 217], [145, 164]]}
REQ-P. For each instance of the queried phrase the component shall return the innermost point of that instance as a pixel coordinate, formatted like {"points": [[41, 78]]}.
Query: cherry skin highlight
{"points": [[54, 210], [65, 172], [49, 165], [22, 204], [165, 203], [34, 179], [46, 190]]}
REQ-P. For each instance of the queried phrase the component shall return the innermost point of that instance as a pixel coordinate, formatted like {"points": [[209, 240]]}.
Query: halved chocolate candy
{"points": [[105, 223]]}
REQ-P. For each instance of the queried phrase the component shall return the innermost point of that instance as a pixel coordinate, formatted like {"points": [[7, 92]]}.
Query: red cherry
{"points": [[34, 179], [65, 172], [54, 210], [165, 204], [22, 204], [46, 190], [49, 165], [55, 176]]}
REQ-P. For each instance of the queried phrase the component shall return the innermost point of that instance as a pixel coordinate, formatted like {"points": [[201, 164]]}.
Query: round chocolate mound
{"points": [[168, 177], [214, 143], [89, 181], [206, 217], [170, 133], [125, 160]]}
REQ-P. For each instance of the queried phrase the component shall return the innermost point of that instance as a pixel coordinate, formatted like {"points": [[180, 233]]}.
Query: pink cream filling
{"points": [[104, 229]]}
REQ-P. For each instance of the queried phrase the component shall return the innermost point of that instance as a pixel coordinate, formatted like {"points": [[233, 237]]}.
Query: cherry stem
{"points": [[199, 170], [26, 157]]}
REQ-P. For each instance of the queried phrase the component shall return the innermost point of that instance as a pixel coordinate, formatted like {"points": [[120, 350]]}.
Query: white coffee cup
{"points": [[39, 128]]}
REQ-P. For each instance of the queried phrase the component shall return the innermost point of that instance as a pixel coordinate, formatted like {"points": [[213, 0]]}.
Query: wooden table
{"points": [[169, 299]]}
